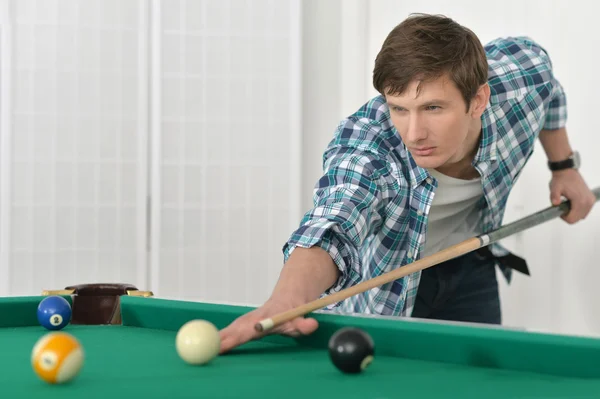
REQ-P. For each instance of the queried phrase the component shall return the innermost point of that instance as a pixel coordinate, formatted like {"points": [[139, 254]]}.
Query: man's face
{"points": [[435, 125]]}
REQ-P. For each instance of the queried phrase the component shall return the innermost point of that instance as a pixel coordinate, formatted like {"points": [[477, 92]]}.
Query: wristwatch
{"points": [[573, 162]]}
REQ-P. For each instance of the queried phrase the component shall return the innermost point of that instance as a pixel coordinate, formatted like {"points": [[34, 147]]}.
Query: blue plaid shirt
{"points": [[371, 204]]}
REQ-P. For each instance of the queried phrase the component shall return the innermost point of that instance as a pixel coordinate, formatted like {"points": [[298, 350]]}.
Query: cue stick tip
{"points": [[264, 325]]}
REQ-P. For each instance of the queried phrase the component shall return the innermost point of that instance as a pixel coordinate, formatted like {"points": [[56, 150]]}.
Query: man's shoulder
{"points": [[367, 140], [517, 50], [516, 65], [369, 128], [513, 45]]}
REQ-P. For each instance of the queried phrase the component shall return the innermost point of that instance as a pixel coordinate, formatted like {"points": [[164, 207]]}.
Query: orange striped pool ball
{"points": [[57, 357]]}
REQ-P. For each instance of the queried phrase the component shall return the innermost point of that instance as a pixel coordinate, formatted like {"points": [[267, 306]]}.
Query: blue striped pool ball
{"points": [[54, 312]]}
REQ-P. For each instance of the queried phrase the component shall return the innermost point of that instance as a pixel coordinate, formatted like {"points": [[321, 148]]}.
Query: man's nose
{"points": [[415, 129]]}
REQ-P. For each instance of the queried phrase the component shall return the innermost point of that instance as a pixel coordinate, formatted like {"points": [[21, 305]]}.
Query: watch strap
{"points": [[570, 163], [560, 165]]}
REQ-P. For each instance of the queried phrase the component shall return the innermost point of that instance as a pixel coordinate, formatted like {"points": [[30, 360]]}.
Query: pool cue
{"points": [[454, 251]]}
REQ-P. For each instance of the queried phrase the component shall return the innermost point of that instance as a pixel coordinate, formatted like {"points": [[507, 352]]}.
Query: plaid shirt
{"points": [[371, 204]]}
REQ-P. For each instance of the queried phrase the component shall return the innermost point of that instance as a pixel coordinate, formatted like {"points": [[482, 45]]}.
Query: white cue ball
{"points": [[198, 342]]}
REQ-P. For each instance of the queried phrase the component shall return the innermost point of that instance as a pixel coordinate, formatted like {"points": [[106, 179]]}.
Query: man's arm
{"points": [[556, 144], [304, 277], [307, 274], [323, 253], [567, 183]]}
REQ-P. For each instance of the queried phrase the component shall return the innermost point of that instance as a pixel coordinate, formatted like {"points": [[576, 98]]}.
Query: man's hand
{"points": [[242, 329], [306, 275], [568, 183]]}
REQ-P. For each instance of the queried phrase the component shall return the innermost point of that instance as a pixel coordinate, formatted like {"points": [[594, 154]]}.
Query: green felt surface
{"points": [[139, 360]]}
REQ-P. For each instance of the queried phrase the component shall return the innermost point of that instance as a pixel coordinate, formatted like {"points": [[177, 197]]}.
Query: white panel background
{"points": [[70, 195], [185, 111], [228, 166]]}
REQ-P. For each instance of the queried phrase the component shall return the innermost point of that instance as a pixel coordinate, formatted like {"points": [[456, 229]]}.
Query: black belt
{"points": [[510, 261]]}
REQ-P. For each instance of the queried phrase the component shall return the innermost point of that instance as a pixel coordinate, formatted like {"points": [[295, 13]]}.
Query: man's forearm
{"points": [[556, 144], [306, 275]]}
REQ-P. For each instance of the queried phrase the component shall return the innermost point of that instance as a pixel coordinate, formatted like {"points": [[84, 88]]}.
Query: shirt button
{"points": [[419, 212], [429, 181], [410, 254]]}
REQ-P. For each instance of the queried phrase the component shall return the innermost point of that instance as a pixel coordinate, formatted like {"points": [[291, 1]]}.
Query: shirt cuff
{"points": [[556, 116], [325, 234]]}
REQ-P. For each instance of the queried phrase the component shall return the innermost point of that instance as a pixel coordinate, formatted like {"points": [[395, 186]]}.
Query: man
{"points": [[427, 164]]}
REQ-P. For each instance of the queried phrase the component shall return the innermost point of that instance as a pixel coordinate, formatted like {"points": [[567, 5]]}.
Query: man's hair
{"points": [[425, 47]]}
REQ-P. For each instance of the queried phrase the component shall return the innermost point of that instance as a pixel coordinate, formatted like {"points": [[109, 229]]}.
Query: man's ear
{"points": [[480, 101]]}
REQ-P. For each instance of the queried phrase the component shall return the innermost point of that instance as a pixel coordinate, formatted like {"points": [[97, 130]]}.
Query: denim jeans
{"points": [[461, 289]]}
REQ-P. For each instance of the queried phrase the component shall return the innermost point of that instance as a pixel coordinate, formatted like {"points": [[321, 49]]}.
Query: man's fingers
{"points": [[298, 327], [588, 204], [238, 333], [237, 337], [305, 326], [227, 343], [229, 337], [580, 208], [556, 197], [242, 329], [576, 191], [558, 194], [573, 215]]}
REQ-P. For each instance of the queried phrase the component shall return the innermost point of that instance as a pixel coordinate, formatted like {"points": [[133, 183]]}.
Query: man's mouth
{"points": [[422, 151]]}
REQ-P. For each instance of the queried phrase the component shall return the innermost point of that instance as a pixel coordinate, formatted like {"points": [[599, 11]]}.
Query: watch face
{"points": [[576, 160]]}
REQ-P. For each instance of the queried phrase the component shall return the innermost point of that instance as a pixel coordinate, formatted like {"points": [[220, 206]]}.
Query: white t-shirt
{"points": [[453, 217]]}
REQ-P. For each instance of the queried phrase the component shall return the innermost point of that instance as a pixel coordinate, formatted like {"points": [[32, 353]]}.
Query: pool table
{"points": [[136, 358]]}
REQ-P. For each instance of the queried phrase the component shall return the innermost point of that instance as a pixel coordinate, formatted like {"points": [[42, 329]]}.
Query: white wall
{"points": [[335, 69], [73, 175], [226, 159], [321, 88], [149, 142]]}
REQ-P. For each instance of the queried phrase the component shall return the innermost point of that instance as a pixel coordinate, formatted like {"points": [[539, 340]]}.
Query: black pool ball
{"points": [[351, 350]]}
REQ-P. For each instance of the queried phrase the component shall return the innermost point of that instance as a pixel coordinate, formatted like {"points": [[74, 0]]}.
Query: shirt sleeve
{"points": [[539, 71], [348, 202], [556, 116]]}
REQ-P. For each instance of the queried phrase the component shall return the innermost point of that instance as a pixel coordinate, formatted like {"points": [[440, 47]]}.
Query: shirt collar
{"points": [[488, 145], [417, 173]]}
